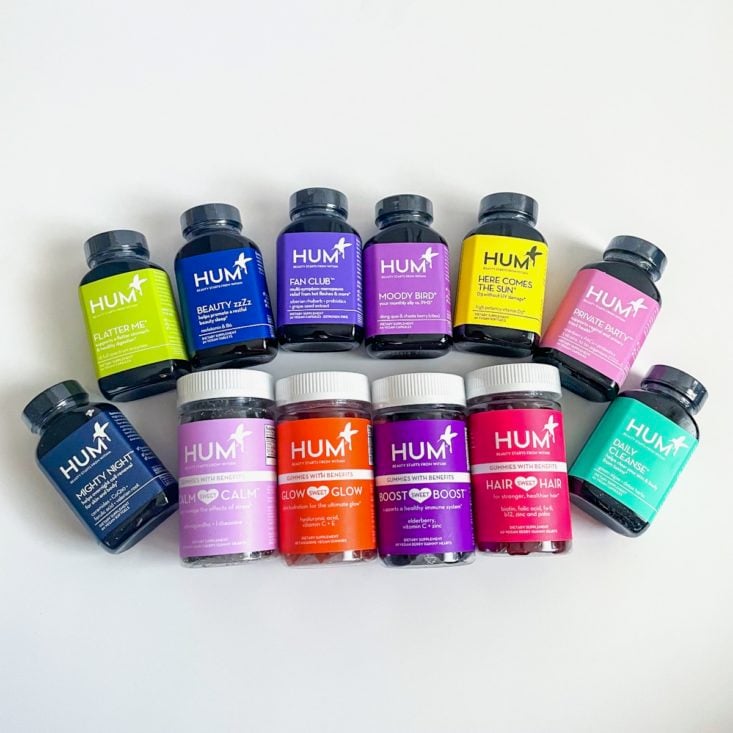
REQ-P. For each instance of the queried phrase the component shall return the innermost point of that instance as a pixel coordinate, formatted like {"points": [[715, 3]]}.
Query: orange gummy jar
{"points": [[325, 468]]}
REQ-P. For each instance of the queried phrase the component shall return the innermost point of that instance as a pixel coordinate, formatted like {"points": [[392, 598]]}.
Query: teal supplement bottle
{"points": [[632, 459]]}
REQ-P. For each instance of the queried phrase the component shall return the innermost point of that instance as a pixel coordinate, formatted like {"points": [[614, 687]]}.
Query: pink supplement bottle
{"points": [[604, 318], [517, 454]]}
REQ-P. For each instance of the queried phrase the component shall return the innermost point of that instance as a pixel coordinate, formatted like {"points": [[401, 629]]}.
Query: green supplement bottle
{"points": [[634, 456], [131, 318]]}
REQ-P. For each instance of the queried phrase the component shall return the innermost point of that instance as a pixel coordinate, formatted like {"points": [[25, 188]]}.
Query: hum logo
{"points": [[87, 455], [614, 304], [119, 298], [222, 274], [655, 440], [424, 450], [409, 266], [215, 451], [519, 439], [324, 448], [322, 256], [508, 259]]}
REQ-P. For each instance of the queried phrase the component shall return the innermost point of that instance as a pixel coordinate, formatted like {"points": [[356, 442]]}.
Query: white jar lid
{"points": [[517, 377], [222, 383], [314, 386], [425, 388]]}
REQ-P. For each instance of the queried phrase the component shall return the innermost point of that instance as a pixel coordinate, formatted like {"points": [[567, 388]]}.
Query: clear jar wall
{"points": [[320, 409], [407, 414], [222, 409], [518, 401]]}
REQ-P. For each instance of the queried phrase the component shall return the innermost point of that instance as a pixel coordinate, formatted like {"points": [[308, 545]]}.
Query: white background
{"points": [[615, 116]]}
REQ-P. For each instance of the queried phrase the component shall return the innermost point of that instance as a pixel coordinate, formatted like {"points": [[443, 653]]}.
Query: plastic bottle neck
{"points": [[404, 217], [115, 254], [507, 215], [211, 227], [54, 414], [673, 394], [632, 259], [317, 211]]}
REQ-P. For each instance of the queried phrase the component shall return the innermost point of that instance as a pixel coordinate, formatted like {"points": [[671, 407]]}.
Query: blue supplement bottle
{"points": [[225, 303], [102, 468], [319, 289], [131, 318]]}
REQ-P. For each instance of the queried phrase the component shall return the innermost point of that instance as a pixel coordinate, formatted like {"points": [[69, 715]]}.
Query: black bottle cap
{"points": [[212, 214], [404, 203], [685, 384], [39, 409], [511, 203], [117, 240], [322, 198], [650, 253]]}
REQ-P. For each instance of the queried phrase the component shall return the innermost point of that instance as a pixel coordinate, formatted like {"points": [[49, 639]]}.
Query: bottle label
{"points": [[227, 486], [423, 487], [131, 321], [519, 476], [106, 471], [326, 484], [319, 278], [502, 282], [602, 322], [634, 455], [224, 298], [407, 289]]}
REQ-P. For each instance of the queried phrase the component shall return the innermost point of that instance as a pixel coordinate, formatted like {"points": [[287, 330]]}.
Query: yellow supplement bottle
{"points": [[501, 283]]}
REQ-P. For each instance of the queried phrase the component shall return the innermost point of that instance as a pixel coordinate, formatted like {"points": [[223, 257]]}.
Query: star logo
{"points": [[428, 255], [533, 253], [447, 437], [100, 432], [347, 434], [638, 305], [551, 426], [241, 262], [239, 435], [341, 246], [136, 284]]}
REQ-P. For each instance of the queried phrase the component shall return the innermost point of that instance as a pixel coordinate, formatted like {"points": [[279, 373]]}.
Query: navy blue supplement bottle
{"points": [[102, 468], [319, 288], [501, 282], [634, 456], [131, 318], [407, 303], [604, 318], [225, 303]]}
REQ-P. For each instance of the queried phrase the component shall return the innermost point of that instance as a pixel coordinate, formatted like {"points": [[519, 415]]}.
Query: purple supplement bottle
{"points": [[319, 288], [407, 303], [227, 467], [422, 474]]}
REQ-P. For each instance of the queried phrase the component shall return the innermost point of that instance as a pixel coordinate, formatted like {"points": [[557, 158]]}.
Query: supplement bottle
{"points": [[131, 318], [518, 468], [501, 282], [406, 283], [99, 464], [421, 467], [225, 305], [227, 467], [319, 299], [325, 468], [636, 452], [604, 318]]}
